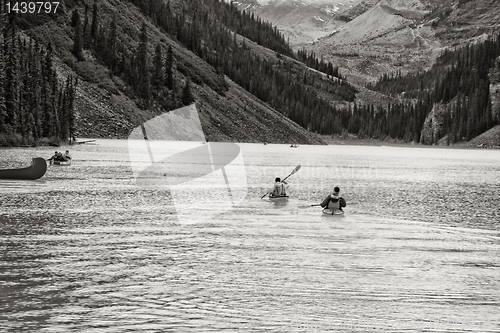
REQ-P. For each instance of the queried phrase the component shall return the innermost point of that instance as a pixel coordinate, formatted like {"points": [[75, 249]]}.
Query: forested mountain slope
{"points": [[119, 64], [129, 68], [437, 59]]}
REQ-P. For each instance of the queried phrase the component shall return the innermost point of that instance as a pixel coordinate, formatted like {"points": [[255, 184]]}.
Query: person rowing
{"points": [[279, 188], [60, 157], [67, 156], [54, 157], [334, 200]]}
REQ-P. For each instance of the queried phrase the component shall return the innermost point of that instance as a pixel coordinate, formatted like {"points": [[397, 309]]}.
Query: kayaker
{"points": [[279, 188], [334, 200], [54, 157], [67, 156]]}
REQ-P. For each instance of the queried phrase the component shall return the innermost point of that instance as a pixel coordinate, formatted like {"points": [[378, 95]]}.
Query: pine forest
{"points": [[36, 105]]}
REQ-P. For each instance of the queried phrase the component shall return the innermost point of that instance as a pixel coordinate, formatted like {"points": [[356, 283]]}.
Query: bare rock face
{"points": [[495, 89], [404, 4], [432, 128]]}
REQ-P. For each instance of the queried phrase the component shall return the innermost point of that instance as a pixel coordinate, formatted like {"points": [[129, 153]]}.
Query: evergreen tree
{"points": [[75, 17], [86, 28], [66, 110], [49, 88], [187, 96], [71, 110], [158, 72], [78, 37], [144, 80], [3, 108], [169, 64], [12, 77], [95, 22], [112, 45], [36, 110]]}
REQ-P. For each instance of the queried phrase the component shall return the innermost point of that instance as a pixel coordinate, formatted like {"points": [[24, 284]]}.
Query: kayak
{"points": [[52, 162], [281, 198], [36, 170], [328, 211]]}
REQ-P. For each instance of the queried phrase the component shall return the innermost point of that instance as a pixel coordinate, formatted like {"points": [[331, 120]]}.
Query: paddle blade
{"points": [[297, 168]]}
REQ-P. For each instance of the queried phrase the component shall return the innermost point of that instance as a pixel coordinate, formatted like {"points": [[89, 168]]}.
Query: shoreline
{"points": [[394, 143], [327, 139]]}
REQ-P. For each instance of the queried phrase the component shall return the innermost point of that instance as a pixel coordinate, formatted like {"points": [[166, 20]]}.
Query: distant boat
{"points": [[293, 146], [36, 170], [52, 162], [83, 142]]}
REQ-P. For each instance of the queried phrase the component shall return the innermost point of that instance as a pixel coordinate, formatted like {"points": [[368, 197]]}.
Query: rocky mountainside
{"points": [[301, 21], [105, 107], [120, 51], [489, 139], [388, 37], [372, 39], [433, 124], [494, 77], [368, 38]]}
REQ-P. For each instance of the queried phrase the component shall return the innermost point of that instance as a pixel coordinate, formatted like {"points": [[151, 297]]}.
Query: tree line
{"points": [[310, 59], [460, 80], [202, 27], [33, 103], [199, 27], [207, 28], [149, 76]]}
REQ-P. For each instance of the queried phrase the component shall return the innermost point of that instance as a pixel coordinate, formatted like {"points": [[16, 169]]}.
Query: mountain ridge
{"points": [[238, 84], [106, 107], [422, 27]]}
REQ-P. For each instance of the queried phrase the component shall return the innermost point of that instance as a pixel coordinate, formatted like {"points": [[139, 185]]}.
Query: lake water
{"points": [[89, 248]]}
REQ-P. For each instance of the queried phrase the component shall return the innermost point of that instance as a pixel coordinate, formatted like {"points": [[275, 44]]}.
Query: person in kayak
{"points": [[279, 188], [54, 157], [67, 156], [334, 200]]}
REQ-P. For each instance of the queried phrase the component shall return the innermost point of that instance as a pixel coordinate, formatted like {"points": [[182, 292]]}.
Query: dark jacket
{"points": [[329, 198]]}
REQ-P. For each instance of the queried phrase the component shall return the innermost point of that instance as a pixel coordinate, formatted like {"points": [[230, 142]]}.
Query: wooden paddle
{"points": [[307, 206], [297, 168]]}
